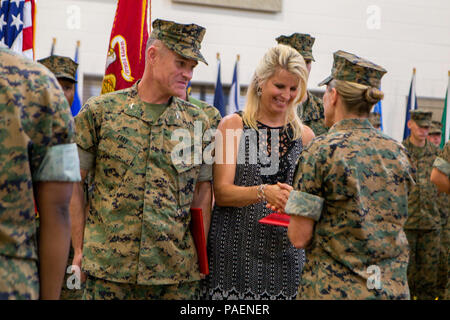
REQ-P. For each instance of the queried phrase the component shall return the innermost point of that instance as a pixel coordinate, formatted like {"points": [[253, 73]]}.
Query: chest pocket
{"points": [[187, 178], [181, 153], [115, 158]]}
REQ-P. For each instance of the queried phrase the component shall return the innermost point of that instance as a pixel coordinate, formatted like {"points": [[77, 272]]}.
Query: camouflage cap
{"points": [[301, 42], [422, 118], [374, 119], [62, 67], [184, 39], [436, 127], [349, 67]]}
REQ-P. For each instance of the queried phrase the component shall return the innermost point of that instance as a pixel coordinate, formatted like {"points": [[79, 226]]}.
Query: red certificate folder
{"points": [[198, 233], [276, 219]]}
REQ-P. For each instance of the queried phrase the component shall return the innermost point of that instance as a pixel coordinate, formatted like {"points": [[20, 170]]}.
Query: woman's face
{"points": [[279, 91]]}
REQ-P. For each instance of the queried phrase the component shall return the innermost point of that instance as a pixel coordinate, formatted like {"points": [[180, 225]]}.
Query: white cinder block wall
{"points": [[397, 34]]}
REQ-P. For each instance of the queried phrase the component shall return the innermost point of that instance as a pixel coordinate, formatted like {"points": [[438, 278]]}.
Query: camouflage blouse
{"points": [[35, 119], [137, 230], [354, 182], [423, 209], [311, 113]]}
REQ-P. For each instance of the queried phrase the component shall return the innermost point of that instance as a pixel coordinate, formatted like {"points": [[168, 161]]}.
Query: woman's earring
{"points": [[258, 91]]}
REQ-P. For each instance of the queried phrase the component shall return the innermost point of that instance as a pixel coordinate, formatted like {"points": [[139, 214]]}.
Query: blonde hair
{"points": [[358, 98], [279, 57]]}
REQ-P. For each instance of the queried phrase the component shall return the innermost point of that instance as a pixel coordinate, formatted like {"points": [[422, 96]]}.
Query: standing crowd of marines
{"points": [[105, 184]]}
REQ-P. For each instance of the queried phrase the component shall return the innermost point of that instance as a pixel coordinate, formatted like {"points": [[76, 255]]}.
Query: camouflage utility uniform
{"points": [[36, 144], [363, 177], [65, 68], [442, 163], [423, 225], [137, 231], [354, 183]]}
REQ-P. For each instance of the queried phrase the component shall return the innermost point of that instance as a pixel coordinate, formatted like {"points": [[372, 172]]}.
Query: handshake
{"points": [[277, 196]]}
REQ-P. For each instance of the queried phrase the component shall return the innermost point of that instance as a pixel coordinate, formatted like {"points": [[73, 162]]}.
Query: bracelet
{"points": [[260, 193]]}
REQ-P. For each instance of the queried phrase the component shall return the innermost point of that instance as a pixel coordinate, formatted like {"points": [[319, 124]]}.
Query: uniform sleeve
{"points": [[52, 151], [86, 128], [205, 173], [306, 199], [206, 168], [442, 162]]}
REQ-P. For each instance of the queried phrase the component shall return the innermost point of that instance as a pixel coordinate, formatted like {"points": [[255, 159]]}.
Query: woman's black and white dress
{"points": [[249, 260]]}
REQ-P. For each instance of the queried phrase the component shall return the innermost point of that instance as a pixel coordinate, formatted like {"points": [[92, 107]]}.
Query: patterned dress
{"points": [[249, 260]]}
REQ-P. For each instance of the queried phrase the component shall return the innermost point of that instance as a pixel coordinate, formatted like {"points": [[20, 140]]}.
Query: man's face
{"points": [[68, 87], [418, 133], [173, 72], [435, 139]]}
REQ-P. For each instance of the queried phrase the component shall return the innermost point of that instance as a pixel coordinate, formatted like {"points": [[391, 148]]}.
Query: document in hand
{"points": [[276, 219], [198, 233]]}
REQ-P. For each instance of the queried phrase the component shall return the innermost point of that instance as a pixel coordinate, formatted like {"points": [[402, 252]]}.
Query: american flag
{"points": [[17, 26]]}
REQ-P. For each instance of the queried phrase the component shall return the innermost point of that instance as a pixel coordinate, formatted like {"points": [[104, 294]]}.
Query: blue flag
{"points": [[76, 104], [377, 109], [411, 104], [233, 100], [219, 100], [188, 90]]}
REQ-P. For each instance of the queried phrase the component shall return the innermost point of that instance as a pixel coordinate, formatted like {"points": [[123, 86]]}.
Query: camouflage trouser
{"points": [[99, 289], [19, 279], [444, 270], [423, 265]]}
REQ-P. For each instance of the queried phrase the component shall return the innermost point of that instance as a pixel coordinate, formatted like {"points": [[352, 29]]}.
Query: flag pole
{"points": [[52, 49]]}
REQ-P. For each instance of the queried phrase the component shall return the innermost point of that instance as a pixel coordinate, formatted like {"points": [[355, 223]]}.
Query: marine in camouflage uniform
{"points": [[36, 146], [137, 242], [424, 220], [442, 163], [354, 182], [64, 69], [434, 136], [311, 110]]}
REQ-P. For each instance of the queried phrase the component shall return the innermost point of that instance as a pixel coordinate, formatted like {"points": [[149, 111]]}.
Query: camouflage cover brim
{"points": [[422, 123], [435, 131], [67, 76], [307, 57], [191, 53]]}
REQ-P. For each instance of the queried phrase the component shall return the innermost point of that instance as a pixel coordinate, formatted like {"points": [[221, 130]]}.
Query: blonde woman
{"points": [[350, 201], [256, 152]]}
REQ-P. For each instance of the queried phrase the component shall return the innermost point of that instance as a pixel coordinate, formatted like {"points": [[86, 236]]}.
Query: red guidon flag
{"points": [[126, 54]]}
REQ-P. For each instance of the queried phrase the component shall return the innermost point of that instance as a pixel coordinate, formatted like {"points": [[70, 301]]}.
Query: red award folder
{"points": [[198, 233], [276, 219]]}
